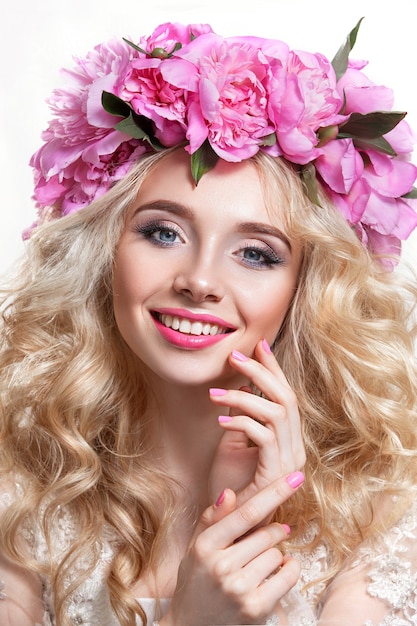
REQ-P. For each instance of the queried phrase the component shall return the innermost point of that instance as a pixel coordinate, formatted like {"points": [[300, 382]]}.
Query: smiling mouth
{"points": [[190, 327]]}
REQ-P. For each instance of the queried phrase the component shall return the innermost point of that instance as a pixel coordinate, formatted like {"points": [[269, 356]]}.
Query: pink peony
{"points": [[340, 165], [166, 37], [84, 180], [361, 94], [367, 185], [151, 95], [303, 99], [83, 153], [228, 100], [239, 95]]}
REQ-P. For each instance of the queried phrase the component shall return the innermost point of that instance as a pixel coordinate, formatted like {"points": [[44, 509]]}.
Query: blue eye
{"points": [[165, 235], [252, 255], [257, 257], [159, 234]]}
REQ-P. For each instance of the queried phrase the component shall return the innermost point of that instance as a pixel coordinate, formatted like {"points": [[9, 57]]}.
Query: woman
{"points": [[208, 381]]}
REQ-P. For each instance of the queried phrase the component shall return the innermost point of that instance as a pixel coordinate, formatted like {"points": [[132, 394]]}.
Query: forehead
{"points": [[235, 187]]}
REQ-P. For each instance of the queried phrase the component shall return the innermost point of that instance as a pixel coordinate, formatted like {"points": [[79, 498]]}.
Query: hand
{"points": [[271, 423], [232, 574]]}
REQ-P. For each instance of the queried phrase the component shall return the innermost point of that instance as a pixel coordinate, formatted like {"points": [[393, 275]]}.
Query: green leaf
{"points": [[340, 60], [139, 127], [371, 125], [379, 145], [129, 126], [134, 125], [309, 180], [326, 134], [411, 195], [269, 140], [202, 161], [115, 105], [133, 45]]}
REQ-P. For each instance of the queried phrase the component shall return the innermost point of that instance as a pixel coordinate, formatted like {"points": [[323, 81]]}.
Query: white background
{"points": [[37, 37]]}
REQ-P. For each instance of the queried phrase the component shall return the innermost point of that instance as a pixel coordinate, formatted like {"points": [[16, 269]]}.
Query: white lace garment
{"points": [[378, 587]]}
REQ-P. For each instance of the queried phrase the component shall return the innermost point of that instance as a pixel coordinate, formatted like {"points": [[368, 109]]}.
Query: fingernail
{"points": [[222, 419], [239, 356], [286, 528], [266, 347], [295, 480], [216, 391], [220, 498]]}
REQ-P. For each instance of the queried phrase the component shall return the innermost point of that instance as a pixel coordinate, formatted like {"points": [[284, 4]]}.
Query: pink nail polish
{"points": [[266, 347], [286, 528], [223, 419], [295, 479], [239, 356], [216, 391], [220, 498]]}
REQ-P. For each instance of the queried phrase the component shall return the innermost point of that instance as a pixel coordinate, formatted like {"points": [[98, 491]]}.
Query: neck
{"points": [[186, 434]]}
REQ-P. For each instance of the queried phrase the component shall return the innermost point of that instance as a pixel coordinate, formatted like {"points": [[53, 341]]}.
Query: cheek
{"points": [[129, 276], [267, 310]]}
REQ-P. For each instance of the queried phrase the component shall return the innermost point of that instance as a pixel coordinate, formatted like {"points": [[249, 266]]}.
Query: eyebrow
{"points": [[188, 213], [166, 205], [264, 229]]}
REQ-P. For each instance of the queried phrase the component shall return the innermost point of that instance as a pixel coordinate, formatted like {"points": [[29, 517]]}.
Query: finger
{"points": [[264, 372], [269, 427], [268, 412], [262, 355], [274, 580], [263, 566], [279, 411], [249, 514], [243, 389], [235, 439], [225, 504], [278, 584], [271, 457], [244, 581], [244, 551]]}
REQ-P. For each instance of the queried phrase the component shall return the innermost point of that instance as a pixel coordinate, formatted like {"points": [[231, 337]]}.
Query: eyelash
{"points": [[269, 257], [150, 229]]}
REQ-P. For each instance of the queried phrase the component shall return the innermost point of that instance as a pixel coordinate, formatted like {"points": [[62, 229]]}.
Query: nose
{"points": [[199, 281]]}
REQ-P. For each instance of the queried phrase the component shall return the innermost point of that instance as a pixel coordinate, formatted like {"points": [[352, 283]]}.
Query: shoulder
{"points": [[391, 559], [21, 600], [379, 581]]}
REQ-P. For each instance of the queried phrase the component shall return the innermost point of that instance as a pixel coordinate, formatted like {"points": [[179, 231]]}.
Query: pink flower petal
{"points": [[339, 165]]}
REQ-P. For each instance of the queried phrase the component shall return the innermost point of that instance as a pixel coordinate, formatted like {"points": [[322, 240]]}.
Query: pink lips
{"points": [[190, 342]]}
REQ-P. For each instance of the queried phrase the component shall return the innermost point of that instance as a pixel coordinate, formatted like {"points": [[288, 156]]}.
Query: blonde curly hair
{"points": [[71, 394]]}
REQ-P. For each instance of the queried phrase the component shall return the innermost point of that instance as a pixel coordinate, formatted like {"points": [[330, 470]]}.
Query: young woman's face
{"points": [[201, 271]]}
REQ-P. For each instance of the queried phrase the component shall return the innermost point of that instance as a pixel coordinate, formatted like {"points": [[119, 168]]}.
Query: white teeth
{"points": [[196, 328], [190, 328], [175, 324], [185, 327]]}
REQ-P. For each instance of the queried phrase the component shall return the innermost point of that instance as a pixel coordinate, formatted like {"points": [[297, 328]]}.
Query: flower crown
{"points": [[228, 98]]}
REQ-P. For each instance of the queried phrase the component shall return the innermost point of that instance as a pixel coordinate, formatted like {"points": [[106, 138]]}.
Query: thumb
{"points": [[225, 504]]}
